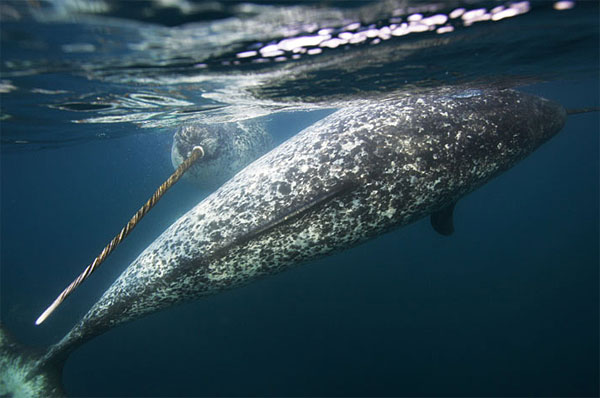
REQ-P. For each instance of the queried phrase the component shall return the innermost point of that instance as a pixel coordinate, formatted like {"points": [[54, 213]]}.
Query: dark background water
{"points": [[508, 305]]}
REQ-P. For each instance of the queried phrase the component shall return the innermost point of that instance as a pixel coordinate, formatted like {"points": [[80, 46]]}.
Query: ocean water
{"points": [[92, 92]]}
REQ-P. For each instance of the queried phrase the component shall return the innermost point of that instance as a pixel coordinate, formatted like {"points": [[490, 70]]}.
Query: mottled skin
{"points": [[350, 177], [228, 148]]}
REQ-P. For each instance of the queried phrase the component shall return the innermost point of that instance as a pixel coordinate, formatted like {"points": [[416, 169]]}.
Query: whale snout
{"points": [[191, 135], [531, 119], [550, 120], [523, 123]]}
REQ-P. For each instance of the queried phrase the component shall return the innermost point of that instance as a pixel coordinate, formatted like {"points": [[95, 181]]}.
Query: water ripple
{"points": [[250, 60]]}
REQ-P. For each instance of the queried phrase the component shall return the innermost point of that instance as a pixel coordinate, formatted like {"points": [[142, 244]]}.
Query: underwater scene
{"points": [[380, 198]]}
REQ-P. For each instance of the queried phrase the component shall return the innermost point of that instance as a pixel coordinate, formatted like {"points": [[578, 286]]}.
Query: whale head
{"points": [[210, 137], [228, 147], [481, 133], [215, 141], [529, 119]]}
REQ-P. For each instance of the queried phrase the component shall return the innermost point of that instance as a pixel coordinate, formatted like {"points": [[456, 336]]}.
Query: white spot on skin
{"points": [[348, 146], [389, 213]]}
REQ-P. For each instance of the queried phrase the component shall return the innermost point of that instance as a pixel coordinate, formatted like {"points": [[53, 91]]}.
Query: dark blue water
{"points": [[507, 306]]}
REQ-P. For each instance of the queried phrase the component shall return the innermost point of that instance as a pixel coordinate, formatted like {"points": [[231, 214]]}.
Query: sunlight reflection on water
{"points": [[254, 60]]}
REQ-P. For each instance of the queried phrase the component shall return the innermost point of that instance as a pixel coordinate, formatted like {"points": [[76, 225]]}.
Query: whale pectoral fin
{"points": [[443, 220], [294, 213], [318, 200]]}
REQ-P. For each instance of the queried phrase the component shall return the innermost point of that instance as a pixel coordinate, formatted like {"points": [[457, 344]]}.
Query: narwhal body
{"points": [[350, 177]]}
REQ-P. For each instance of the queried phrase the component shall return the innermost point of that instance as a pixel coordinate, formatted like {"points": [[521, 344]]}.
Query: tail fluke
{"points": [[22, 373]]}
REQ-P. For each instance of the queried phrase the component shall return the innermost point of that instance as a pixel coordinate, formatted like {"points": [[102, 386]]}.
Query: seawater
{"points": [[91, 95]]}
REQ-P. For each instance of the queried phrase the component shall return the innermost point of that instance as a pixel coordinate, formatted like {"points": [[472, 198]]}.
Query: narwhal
{"points": [[354, 175]]}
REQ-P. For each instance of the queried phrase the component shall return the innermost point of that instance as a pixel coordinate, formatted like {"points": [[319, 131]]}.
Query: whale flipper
{"points": [[294, 213], [443, 220]]}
